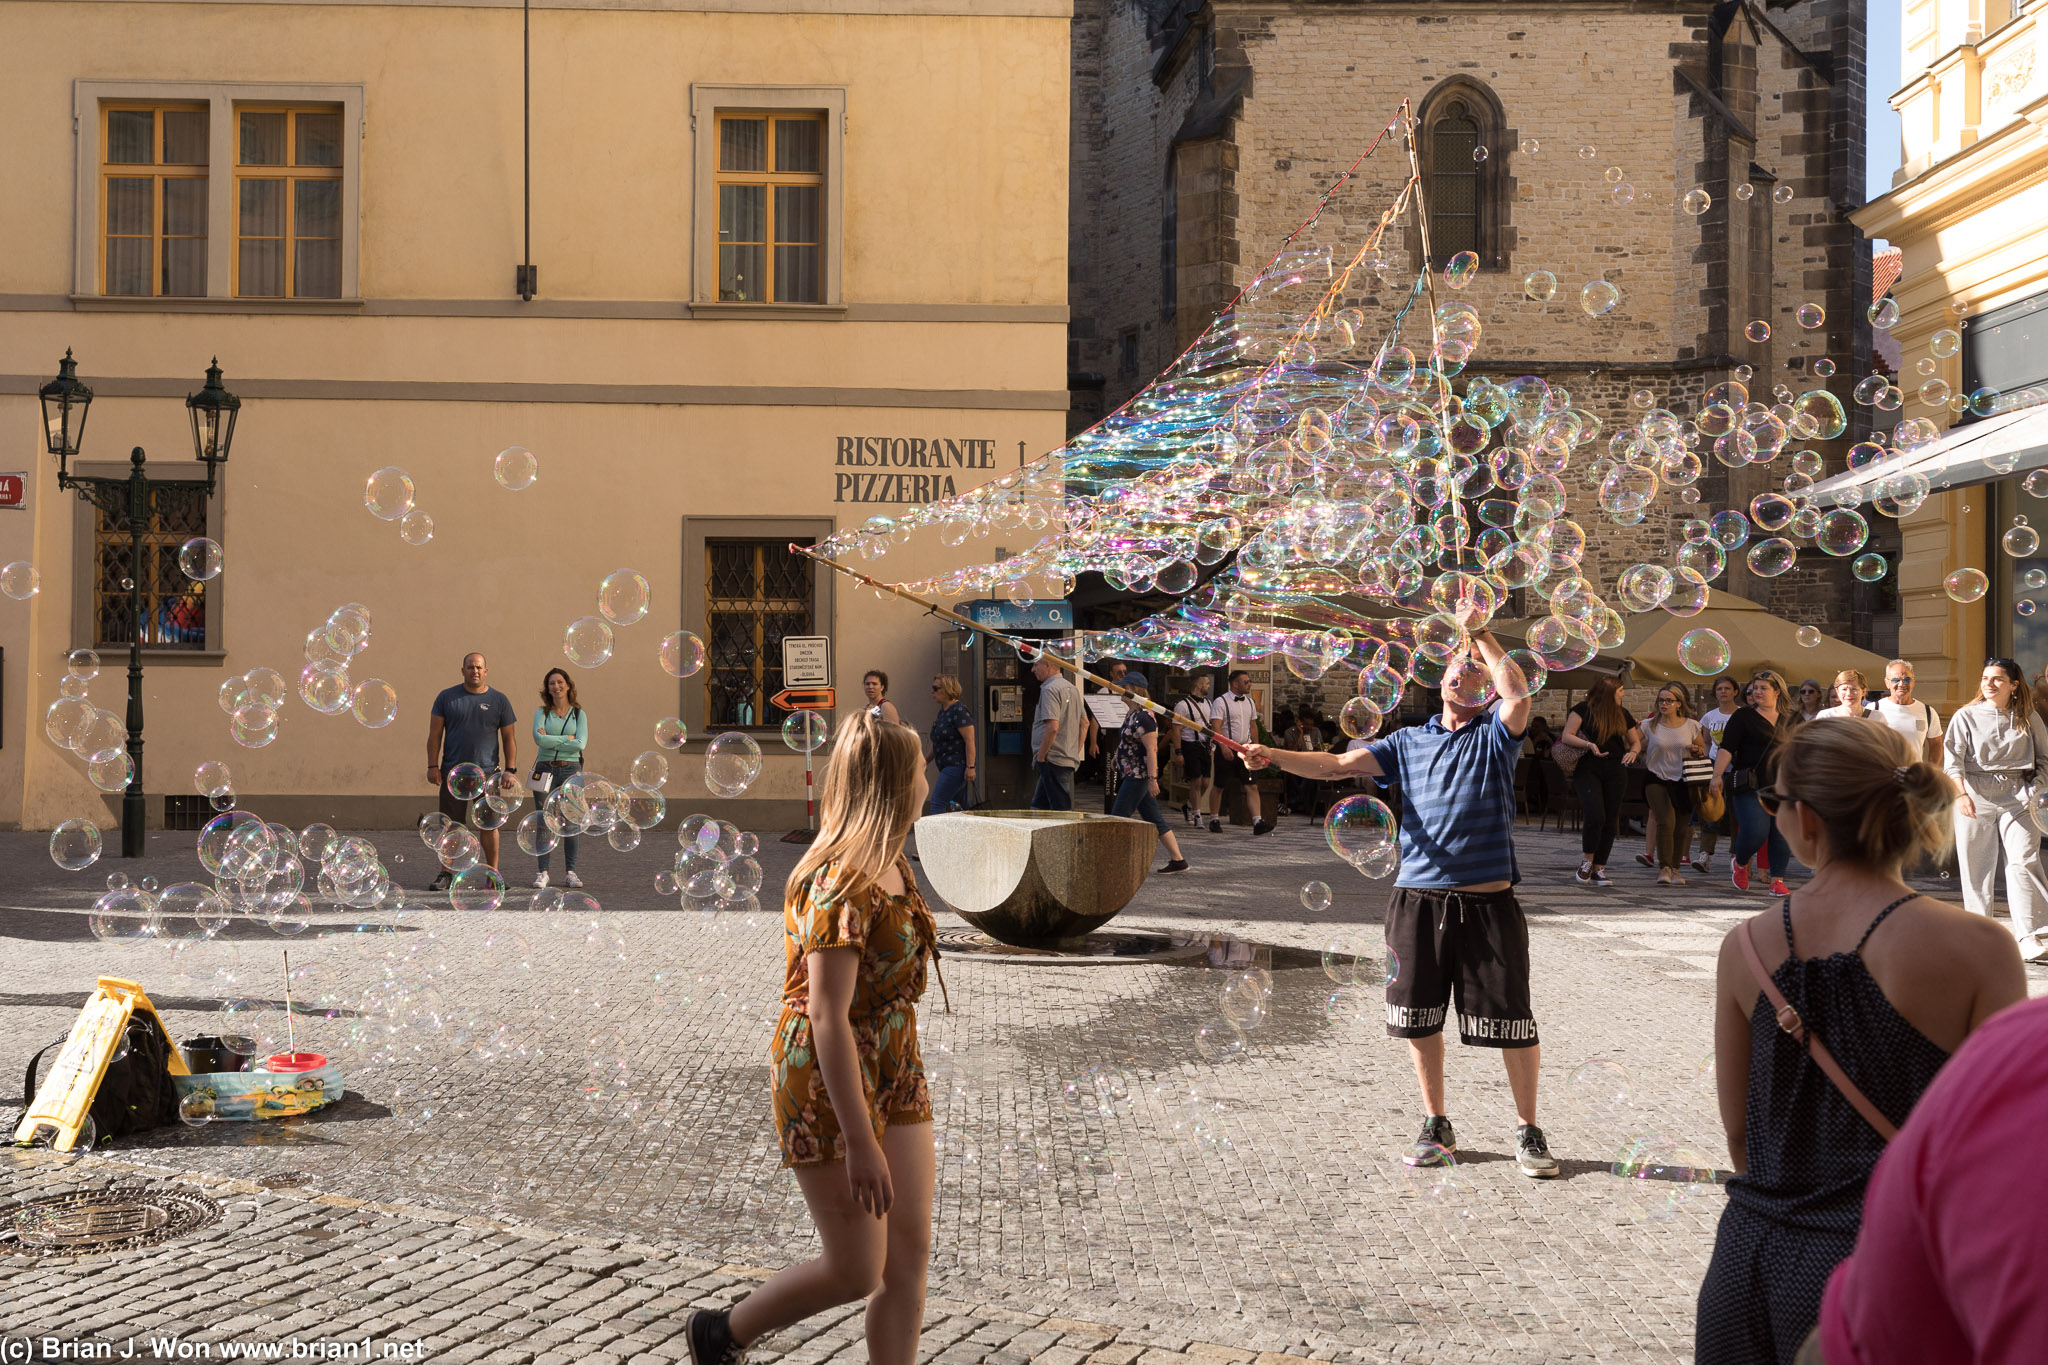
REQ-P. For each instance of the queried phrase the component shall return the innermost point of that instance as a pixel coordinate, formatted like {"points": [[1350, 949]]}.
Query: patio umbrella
{"points": [[1756, 639]]}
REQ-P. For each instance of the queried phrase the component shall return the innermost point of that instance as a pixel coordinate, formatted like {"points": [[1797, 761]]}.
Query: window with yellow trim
{"points": [[770, 183], [288, 202], [153, 199]]}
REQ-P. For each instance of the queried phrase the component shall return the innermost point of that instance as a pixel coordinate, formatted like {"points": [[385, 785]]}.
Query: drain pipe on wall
{"points": [[527, 282]]}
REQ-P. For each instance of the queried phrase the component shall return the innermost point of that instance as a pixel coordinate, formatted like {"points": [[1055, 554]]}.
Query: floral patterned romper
{"points": [[894, 935]]}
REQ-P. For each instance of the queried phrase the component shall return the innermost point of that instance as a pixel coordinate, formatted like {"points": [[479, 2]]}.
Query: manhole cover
{"points": [[1096, 947], [96, 1222]]}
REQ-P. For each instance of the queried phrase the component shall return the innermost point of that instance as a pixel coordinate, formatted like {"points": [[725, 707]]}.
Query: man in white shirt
{"points": [[1916, 720], [1235, 716]]}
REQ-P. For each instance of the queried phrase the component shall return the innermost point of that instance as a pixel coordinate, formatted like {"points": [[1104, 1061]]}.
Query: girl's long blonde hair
{"points": [[869, 805]]}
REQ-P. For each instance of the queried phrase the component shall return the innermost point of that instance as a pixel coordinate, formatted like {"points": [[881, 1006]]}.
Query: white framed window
{"points": [[216, 194], [767, 193]]}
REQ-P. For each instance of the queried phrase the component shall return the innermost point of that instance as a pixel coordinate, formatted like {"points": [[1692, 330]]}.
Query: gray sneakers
{"points": [[1437, 1145], [1532, 1153]]}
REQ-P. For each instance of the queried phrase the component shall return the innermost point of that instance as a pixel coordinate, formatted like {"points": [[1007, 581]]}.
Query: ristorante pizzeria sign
{"points": [[909, 468]]}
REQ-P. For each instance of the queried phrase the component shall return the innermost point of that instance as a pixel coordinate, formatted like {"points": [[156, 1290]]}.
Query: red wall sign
{"points": [[13, 491]]}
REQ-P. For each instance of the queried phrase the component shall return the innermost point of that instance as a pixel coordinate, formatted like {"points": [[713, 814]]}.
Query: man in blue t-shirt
{"points": [[1453, 925], [472, 723]]}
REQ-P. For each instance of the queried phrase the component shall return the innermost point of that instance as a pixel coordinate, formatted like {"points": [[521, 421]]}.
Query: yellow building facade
{"points": [[794, 265], [1969, 211]]}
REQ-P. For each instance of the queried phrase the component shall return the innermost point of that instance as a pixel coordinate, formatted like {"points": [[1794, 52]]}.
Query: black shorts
{"points": [[1231, 772], [455, 810], [1194, 760], [1473, 945]]}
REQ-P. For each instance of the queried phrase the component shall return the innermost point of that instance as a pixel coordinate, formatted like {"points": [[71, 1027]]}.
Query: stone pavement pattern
{"points": [[1230, 1209]]}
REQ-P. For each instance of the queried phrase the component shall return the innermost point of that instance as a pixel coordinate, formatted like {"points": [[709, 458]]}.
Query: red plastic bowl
{"points": [[297, 1061]]}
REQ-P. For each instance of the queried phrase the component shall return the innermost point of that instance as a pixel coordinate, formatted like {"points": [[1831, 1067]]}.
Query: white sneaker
{"points": [[571, 879], [540, 881], [2034, 946]]}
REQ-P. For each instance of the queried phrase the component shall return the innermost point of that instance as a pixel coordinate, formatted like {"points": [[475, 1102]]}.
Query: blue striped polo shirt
{"points": [[1457, 801]]}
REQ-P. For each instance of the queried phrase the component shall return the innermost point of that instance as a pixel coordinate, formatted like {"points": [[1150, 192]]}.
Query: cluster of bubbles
{"points": [[715, 867], [324, 682], [390, 496], [98, 736]]}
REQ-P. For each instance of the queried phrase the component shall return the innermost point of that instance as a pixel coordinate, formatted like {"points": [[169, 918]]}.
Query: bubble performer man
{"points": [[1453, 925], [471, 722]]}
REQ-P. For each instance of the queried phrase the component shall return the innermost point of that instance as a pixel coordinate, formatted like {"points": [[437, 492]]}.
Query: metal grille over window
{"points": [[1454, 183], [173, 606], [771, 214], [757, 592]]}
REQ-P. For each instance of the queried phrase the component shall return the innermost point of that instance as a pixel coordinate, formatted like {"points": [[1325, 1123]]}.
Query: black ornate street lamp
{"points": [[133, 500]]}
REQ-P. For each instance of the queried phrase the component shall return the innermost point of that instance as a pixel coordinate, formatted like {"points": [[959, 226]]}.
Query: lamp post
{"points": [[134, 499]]}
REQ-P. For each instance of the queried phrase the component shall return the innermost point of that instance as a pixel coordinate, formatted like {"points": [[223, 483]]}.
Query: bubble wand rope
{"points": [[1021, 646]]}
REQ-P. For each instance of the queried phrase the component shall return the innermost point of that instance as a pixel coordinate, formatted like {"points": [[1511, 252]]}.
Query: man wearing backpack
{"points": [[1916, 720]]}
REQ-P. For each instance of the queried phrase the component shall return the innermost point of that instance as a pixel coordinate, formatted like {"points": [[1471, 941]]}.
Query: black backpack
{"points": [[136, 1092]]}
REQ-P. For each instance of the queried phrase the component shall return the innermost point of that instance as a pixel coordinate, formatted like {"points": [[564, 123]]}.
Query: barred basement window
{"points": [[756, 593], [174, 615]]}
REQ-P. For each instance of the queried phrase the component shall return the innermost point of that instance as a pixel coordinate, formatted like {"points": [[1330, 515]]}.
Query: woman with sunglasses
{"points": [[1669, 738], [952, 746], [1812, 698], [1996, 749], [1888, 980], [1749, 747]]}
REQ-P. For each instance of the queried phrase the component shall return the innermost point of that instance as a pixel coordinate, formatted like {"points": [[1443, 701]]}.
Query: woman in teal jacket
{"points": [[560, 730]]}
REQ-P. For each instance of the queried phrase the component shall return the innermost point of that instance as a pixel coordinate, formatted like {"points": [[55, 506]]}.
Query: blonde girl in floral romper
{"points": [[851, 1106]]}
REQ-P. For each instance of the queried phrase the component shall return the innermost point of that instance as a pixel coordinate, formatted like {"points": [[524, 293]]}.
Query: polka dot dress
{"points": [[1794, 1216]]}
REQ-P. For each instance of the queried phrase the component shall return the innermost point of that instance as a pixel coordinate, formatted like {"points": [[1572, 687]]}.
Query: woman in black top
{"points": [[1749, 750], [1608, 734]]}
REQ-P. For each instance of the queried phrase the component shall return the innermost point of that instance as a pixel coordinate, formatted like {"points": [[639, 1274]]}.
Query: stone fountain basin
{"points": [[1028, 877]]}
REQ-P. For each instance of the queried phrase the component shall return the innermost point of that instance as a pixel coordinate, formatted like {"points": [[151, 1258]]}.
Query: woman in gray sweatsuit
{"points": [[1996, 748]]}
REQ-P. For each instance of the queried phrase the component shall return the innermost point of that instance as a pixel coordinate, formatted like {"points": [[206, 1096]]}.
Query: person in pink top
{"points": [[1952, 1261]]}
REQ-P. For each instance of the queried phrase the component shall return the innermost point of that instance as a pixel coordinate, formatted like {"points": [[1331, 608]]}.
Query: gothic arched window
{"points": [[1465, 150]]}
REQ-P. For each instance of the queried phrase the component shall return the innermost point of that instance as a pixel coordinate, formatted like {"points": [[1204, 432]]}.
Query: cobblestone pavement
{"points": [[478, 1193]]}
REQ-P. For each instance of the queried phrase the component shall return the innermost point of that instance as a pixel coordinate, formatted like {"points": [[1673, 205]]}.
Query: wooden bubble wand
{"points": [[290, 1033]]}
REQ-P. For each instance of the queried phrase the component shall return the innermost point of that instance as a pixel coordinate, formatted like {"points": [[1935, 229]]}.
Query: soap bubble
{"points": [[1703, 651], [1758, 331], [1884, 314], [2020, 540], [1359, 718], [1219, 1040], [587, 642], [1599, 1089], [671, 733], [1540, 285], [212, 778], [1782, 195], [416, 528], [375, 703], [195, 1108], [1461, 269], [200, 558], [20, 580], [1587, 152], [1772, 557], [622, 599], [477, 889], [2026, 606], [1745, 191], [1966, 585], [1479, 153], [83, 664], [1435, 1178], [1246, 997], [2034, 578], [682, 654], [75, 845], [324, 686], [515, 468], [1530, 146], [805, 731], [1811, 315], [534, 834], [731, 763], [1809, 637], [1841, 532], [1359, 827], [1598, 298], [389, 493], [1824, 368], [1315, 897], [465, 781], [124, 916], [1945, 342], [1696, 202]]}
